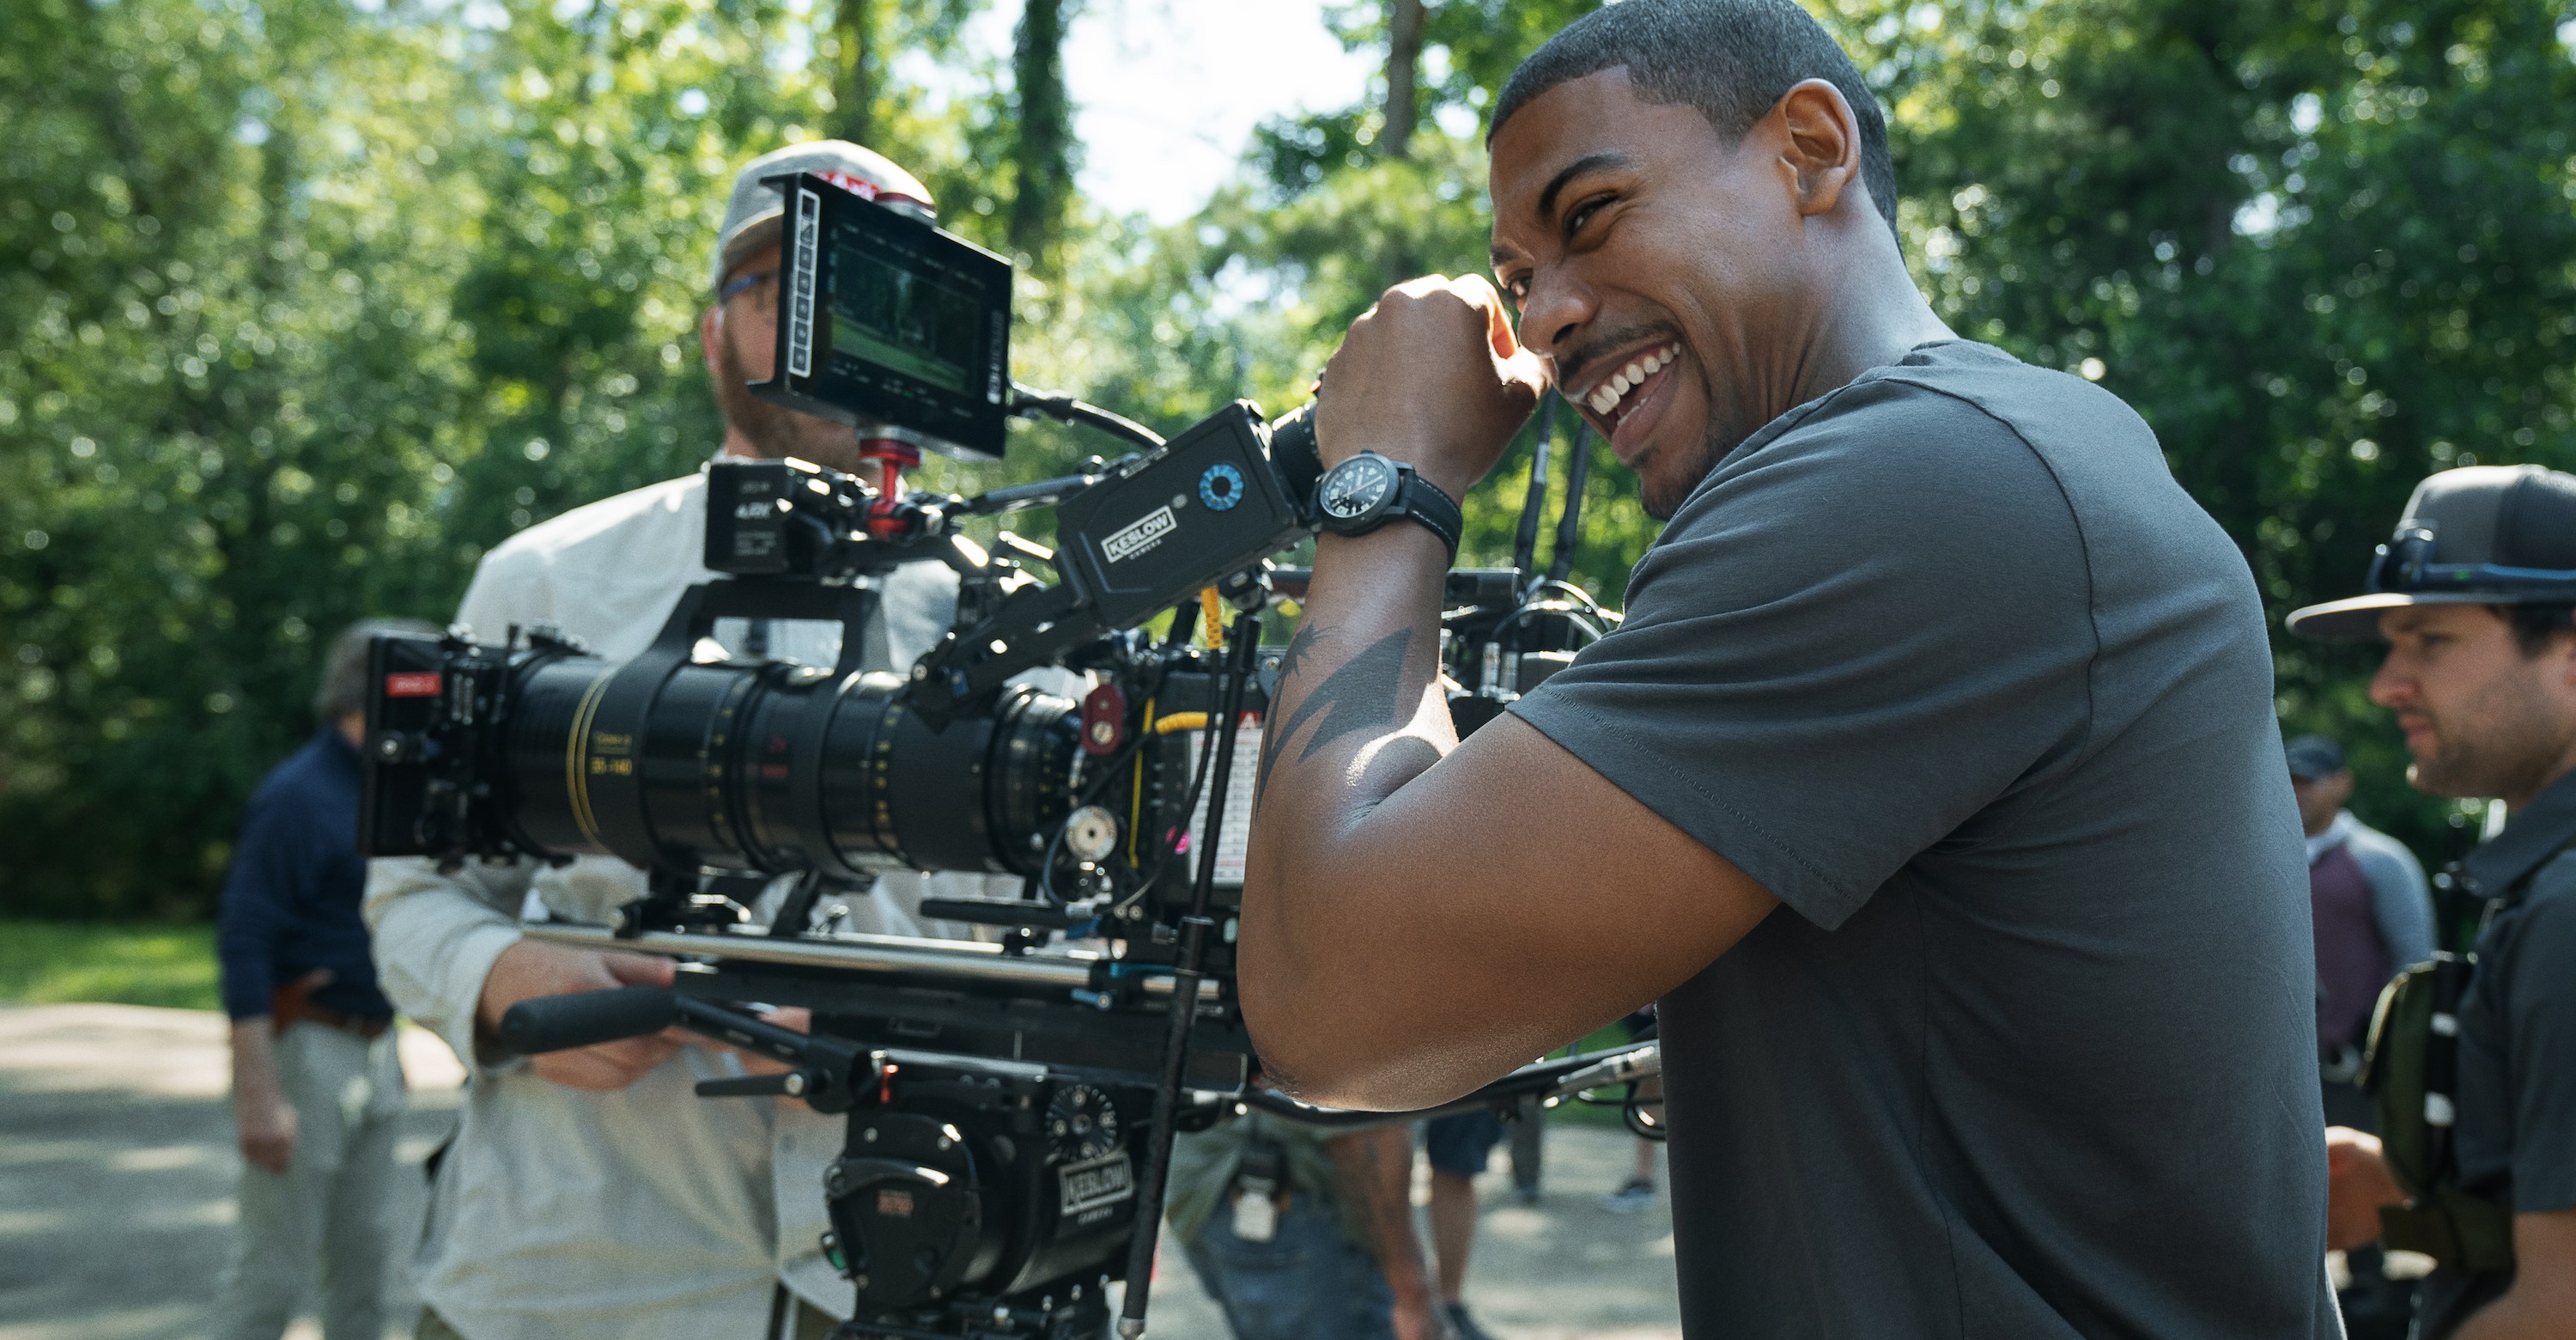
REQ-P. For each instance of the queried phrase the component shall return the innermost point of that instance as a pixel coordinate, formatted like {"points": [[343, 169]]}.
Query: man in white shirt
{"points": [[590, 1193]]}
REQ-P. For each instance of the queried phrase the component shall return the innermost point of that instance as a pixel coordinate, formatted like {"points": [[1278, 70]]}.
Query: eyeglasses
{"points": [[742, 283], [2406, 563]]}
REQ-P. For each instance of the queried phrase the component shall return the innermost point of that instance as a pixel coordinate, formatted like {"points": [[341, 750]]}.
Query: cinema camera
{"points": [[1010, 1105]]}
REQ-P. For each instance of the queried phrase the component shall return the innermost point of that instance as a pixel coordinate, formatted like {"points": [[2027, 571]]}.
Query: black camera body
{"points": [[1011, 1105], [993, 1181], [991, 1169]]}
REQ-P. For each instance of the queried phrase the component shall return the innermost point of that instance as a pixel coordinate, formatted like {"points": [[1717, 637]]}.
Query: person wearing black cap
{"points": [[2373, 912], [2474, 596], [2373, 915]]}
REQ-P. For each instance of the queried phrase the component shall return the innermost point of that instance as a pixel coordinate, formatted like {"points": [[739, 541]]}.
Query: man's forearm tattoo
{"points": [[1309, 634], [1366, 693]]}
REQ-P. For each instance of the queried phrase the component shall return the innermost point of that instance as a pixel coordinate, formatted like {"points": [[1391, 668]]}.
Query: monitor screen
{"points": [[884, 318], [922, 326]]}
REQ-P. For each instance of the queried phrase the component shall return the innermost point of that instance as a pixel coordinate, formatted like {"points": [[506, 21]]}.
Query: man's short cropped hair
{"points": [[2536, 626], [1731, 59], [344, 674]]}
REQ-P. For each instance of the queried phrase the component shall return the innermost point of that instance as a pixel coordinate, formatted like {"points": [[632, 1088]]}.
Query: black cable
{"points": [[1534, 498], [1185, 617], [1569, 590], [1569, 522], [1062, 405], [1043, 493], [1592, 631], [1539, 1078], [1633, 1112]]}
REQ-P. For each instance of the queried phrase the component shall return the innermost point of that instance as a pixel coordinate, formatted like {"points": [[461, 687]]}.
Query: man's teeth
{"points": [[1606, 396]]}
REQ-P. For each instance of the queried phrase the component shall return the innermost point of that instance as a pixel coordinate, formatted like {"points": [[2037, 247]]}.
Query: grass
{"points": [[50, 962]]}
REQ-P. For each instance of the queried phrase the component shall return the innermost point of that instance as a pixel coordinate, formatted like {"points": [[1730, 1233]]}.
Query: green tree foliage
{"points": [[305, 303], [218, 342], [1340, 206], [2324, 249], [1042, 157], [868, 104], [302, 307]]}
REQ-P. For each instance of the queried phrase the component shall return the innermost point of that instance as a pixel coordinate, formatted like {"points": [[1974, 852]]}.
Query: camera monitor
{"points": [[884, 317]]}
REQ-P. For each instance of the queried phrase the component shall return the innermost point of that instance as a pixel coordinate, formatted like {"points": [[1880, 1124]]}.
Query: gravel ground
{"points": [[117, 1172]]}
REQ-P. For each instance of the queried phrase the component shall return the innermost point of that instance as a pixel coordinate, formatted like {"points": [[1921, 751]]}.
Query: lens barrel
{"points": [[778, 768]]}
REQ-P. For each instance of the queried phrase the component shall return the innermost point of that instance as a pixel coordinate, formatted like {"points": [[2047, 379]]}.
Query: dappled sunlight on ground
{"points": [[117, 1168]]}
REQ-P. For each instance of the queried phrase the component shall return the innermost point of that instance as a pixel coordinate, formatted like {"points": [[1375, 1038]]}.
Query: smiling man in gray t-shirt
{"points": [[1947, 662], [1931, 782]]}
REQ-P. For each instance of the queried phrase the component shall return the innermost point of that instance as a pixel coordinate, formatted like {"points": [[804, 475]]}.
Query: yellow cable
{"points": [[1214, 610], [1181, 721]]}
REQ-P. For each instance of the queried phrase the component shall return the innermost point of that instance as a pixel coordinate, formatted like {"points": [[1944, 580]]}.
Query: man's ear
{"points": [[1820, 144], [710, 330]]}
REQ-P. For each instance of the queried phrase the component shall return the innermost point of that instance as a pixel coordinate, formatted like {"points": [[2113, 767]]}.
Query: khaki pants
{"points": [[324, 1219]]}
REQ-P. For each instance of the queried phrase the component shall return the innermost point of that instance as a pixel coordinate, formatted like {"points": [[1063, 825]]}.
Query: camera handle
{"points": [[830, 1075], [1244, 644]]}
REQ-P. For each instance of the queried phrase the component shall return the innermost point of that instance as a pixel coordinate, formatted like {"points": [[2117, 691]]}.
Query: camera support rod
{"points": [[1569, 519], [1245, 644], [1534, 499], [884, 955]]}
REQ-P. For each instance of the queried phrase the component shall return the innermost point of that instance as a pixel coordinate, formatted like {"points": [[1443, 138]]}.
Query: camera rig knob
{"points": [[888, 452], [1082, 1123]]}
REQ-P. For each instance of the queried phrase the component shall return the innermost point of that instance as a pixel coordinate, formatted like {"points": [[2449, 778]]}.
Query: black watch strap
{"points": [[1423, 501], [1408, 495]]}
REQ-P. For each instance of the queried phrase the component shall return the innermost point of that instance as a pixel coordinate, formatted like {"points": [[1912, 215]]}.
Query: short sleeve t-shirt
{"points": [[2516, 1137], [1948, 662]]}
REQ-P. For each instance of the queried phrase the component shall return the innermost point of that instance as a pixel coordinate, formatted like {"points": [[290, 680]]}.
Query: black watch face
{"points": [[1357, 487]]}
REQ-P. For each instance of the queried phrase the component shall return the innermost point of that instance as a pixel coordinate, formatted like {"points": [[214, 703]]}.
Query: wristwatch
{"points": [[1368, 490]]}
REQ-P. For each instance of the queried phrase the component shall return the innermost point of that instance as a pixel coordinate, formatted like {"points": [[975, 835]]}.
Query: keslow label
{"points": [[1140, 535], [1095, 1184]]}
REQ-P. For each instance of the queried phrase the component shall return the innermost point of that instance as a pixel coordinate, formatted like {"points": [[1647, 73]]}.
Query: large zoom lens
{"points": [[776, 768]]}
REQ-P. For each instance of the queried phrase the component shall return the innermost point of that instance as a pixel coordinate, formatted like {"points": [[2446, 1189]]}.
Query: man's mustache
{"points": [[1569, 366]]}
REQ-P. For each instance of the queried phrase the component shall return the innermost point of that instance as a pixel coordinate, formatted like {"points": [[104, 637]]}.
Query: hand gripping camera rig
{"points": [[1010, 1105]]}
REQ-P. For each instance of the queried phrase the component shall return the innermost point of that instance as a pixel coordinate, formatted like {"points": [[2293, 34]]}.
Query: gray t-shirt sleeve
{"points": [[1854, 637], [2541, 1067], [2400, 901]]}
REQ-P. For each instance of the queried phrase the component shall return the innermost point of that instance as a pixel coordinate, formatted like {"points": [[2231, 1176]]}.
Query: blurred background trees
{"points": [[2325, 249], [304, 303]]}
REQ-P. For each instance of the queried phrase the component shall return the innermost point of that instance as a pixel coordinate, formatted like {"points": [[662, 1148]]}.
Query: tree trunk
{"points": [[858, 79], [1403, 62], [1042, 152]]}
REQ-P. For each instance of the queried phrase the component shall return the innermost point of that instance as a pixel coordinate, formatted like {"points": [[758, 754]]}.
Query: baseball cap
{"points": [[2478, 535], [2312, 757], [751, 217]]}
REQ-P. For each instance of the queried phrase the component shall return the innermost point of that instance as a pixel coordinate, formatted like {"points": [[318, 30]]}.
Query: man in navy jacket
{"points": [[317, 1086]]}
